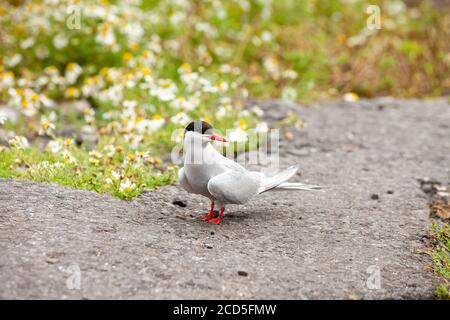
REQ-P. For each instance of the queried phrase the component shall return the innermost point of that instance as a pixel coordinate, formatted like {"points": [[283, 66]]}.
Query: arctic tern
{"points": [[207, 172]]}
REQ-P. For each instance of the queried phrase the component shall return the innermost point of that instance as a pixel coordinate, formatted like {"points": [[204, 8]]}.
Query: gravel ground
{"points": [[360, 238]]}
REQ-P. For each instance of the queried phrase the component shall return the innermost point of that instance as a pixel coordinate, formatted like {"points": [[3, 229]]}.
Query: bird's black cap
{"points": [[199, 126]]}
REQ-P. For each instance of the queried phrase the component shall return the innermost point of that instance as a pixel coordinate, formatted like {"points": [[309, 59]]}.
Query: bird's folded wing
{"points": [[184, 183], [234, 186]]}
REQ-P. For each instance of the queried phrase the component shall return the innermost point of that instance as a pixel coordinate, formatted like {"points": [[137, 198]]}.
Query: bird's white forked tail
{"points": [[278, 182]]}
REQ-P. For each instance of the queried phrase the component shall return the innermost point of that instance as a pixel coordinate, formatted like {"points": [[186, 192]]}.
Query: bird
{"points": [[207, 172]]}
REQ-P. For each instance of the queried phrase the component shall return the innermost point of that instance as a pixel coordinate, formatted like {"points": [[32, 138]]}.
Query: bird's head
{"points": [[201, 131]]}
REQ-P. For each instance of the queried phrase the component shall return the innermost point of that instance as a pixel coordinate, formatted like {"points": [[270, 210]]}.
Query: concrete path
{"points": [[361, 238]]}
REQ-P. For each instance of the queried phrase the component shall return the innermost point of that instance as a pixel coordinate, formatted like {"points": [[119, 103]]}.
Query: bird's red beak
{"points": [[217, 138]]}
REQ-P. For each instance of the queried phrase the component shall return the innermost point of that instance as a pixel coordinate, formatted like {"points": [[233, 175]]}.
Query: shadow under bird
{"points": [[222, 180]]}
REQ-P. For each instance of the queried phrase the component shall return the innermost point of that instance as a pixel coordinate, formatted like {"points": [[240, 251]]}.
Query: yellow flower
{"points": [[104, 71], [88, 111], [156, 117], [9, 74], [146, 54], [151, 160], [127, 57], [128, 76], [72, 92], [351, 96], [96, 80], [105, 29], [132, 157], [139, 119], [242, 123], [341, 38], [68, 142], [186, 67], [34, 97], [146, 71], [19, 29], [94, 161], [45, 124], [70, 66], [207, 119], [134, 46]]}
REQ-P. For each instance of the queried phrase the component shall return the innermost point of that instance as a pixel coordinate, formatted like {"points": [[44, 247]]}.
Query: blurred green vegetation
{"points": [[133, 72]]}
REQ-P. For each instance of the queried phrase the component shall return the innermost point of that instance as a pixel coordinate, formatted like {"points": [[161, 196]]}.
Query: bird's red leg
{"points": [[210, 214], [217, 220]]}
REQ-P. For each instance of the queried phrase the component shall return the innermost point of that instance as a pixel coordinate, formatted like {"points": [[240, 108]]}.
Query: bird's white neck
{"points": [[197, 152]]}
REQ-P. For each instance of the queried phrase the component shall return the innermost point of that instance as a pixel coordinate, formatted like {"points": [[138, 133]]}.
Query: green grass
{"points": [[440, 254], [86, 173]]}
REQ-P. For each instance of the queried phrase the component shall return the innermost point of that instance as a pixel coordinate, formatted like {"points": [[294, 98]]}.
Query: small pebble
{"points": [[242, 273], [208, 246], [390, 192], [374, 197]]}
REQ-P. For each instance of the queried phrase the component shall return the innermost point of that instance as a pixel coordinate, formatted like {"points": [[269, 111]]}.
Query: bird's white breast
{"points": [[199, 174]]}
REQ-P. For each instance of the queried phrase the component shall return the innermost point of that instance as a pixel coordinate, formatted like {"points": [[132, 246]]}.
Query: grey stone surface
{"points": [[295, 245]]}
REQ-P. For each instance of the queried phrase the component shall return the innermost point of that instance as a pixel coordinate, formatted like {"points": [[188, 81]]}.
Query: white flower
{"points": [[266, 36], [261, 127], [46, 102], [73, 71], [115, 175], [42, 52], [27, 43], [181, 119], [54, 146], [47, 126], [165, 90], [7, 80], [3, 117], [237, 135], [13, 61], [106, 35], [148, 126], [127, 186], [351, 97], [258, 111], [289, 74], [19, 142], [68, 156], [271, 65], [289, 94], [130, 104], [60, 41], [134, 31], [221, 112], [185, 104], [113, 94], [95, 154], [110, 150]]}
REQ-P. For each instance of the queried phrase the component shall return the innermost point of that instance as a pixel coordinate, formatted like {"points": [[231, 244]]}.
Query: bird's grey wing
{"points": [[225, 162], [234, 186], [184, 182]]}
